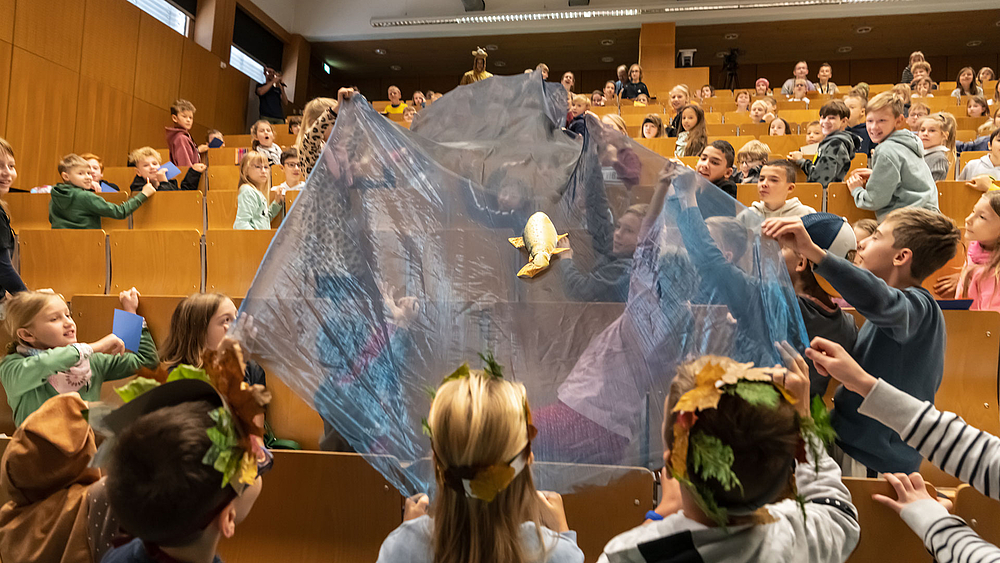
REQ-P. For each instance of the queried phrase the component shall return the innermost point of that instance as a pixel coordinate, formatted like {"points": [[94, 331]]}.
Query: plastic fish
{"points": [[539, 240]]}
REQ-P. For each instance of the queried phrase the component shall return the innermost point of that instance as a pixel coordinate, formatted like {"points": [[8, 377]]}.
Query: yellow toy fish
{"points": [[540, 240]]}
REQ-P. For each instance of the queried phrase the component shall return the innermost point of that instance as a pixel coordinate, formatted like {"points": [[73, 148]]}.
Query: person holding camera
{"points": [[272, 97]]}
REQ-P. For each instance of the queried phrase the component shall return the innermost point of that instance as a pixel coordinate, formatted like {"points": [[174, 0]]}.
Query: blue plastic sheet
{"points": [[394, 267]]}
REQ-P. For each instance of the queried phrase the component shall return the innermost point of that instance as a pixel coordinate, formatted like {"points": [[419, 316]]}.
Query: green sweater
{"points": [[71, 207], [25, 378], [252, 211]]}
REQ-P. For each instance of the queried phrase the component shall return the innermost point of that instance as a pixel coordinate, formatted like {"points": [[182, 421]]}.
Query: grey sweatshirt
{"points": [[900, 177]]}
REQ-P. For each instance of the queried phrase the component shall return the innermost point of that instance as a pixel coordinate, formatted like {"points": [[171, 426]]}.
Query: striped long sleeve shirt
{"points": [[957, 448]]}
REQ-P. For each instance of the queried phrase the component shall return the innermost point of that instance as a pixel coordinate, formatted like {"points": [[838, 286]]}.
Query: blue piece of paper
{"points": [[128, 327], [172, 170], [216, 143]]}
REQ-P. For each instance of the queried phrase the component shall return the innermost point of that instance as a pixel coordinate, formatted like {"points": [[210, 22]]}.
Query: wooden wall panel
{"points": [[103, 122], [110, 41], [158, 63], [5, 54], [52, 29], [199, 82], [42, 117], [231, 101], [7, 20], [148, 122]]}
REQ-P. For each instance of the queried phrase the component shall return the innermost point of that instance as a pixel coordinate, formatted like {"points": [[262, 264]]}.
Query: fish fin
{"points": [[518, 242], [529, 270], [559, 250], [562, 236]]}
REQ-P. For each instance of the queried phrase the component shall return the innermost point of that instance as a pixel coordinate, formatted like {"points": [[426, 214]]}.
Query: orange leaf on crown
{"points": [[225, 368], [490, 481]]}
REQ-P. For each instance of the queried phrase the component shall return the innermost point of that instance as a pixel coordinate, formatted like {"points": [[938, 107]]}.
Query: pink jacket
{"points": [[183, 151], [982, 284]]}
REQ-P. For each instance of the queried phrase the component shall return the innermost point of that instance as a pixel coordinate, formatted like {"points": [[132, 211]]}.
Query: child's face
{"points": [[567, 80], [743, 99], [859, 235], [777, 128], [642, 99], [577, 108], [294, 128], [8, 173], [218, 136], [597, 99], [509, 198], [799, 89], [824, 73], [923, 89], [678, 99], [408, 114], [757, 112], [634, 73], [394, 95], [259, 173], [930, 134], [919, 73], [760, 89], [857, 108], [876, 253], [985, 75], [814, 133], [914, 118], [184, 119], [965, 79], [712, 165], [995, 151], [265, 136], [218, 325], [147, 167], [773, 187], [881, 123], [418, 99], [52, 327], [95, 170], [79, 176], [974, 109], [649, 130], [983, 224], [689, 119], [626, 235], [706, 92], [830, 124], [292, 168], [609, 91], [746, 164]]}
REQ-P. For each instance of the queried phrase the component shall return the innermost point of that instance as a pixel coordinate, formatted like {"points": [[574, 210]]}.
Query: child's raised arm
{"points": [[119, 363], [97, 205]]}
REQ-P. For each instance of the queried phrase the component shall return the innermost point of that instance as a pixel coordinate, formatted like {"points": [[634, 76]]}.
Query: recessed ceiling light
{"points": [[863, 29], [607, 59], [722, 54], [499, 63], [732, 36], [974, 43], [380, 51], [491, 47], [607, 42], [844, 49], [395, 67]]}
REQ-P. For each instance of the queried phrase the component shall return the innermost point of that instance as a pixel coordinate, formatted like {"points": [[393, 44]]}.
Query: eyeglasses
{"points": [[290, 164]]}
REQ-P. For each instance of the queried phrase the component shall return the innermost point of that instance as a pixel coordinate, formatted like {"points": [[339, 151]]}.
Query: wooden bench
{"points": [[839, 201], [232, 258], [28, 211], [220, 209], [156, 262], [172, 210], [979, 511], [883, 532], [69, 261]]}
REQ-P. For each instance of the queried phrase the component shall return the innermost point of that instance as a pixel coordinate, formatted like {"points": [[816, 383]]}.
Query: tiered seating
{"points": [[172, 211], [810, 194], [68, 261], [232, 258], [158, 262]]}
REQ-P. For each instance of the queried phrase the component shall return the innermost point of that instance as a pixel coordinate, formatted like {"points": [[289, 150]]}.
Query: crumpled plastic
{"points": [[393, 268]]}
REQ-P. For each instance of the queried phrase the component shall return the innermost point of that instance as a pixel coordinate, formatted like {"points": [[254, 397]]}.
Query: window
{"points": [[243, 63], [166, 12]]}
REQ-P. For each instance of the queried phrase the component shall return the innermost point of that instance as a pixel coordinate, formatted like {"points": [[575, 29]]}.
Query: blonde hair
{"points": [[312, 112], [188, 329], [480, 421], [761, 102], [618, 122], [890, 99], [918, 55], [22, 308], [634, 65], [986, 128], [683, 88], [582, 100], [254, 158], [754, 150], [6, 149], [904, 92], [922, 64], [993, 264], [919, 105], [143, 153], [948, 125], [71, 162], [639, 209], [253, 132]]}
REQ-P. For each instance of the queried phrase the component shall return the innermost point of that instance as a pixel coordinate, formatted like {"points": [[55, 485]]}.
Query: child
{"points": [[610, 98], [921, 88], [44, 359], [635, 85], [985, 75], [568, 80], [772, 108], [923, 70], [915, 57], [480, 422], [978, 280], [776, 183], [977, 107], [318, 118], [97, 174], [918, 111], [742, 101], [607, 281], [856, 102], [693, 136], [823, 84], [942, 437], [814, 132], [833, 158], [898, 176], [641, 100], [396, 105], [622, 73], [987, 165], [903, 340], [680, 97], [707, 91], [579, 106], [214, 134], [252, 210], [597, 99], [293, 171], [715, 164], [762, 87], [10, 280], [149, 172], [799, 89], [263, 141], [750, 159], [904, 93], [778, 128], [419, 100], [937, 134], [652, 126], [967, 84], [747, 475], [408, 114], [294, 125], [73, 205], [183, 150], [757, 110]]}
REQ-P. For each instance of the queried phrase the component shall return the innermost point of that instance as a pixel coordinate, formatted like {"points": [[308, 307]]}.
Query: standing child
{"points": [[263, 141], [779, 128], [480, 423], [44, 359], [743, 100], [977, 106], [635, 85], [652, 126], [814, 133], [833, 158], [694, 136], [252, 210], [898, 176], [183, 150], [978, 280], [776, 183], [148, 171], [750, 159], [937, 134], [75, 206]]}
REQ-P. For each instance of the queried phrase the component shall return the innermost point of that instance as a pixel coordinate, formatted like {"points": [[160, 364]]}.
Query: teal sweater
{"points": [[252, 211], [25, 378], [71, 207], [900, 177]]}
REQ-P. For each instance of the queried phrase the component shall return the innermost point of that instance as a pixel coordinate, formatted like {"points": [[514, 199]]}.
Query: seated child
{"points": [[776, 183], [743, 100], [396, 105], [408, 114], [263, 141], [937, 134], [183, 150], [757, 111], [734, 460], [978, 280], [982, 142], [799, 90], [692, 137], [44, 359], [214, 134], [857, 102], [922, 87], [419, 101], [707, 91], [772, 108], [779, 127], [642, 99], [988, 164], [294, 125], [74, 205], [505, 520], [918, 111], [751, 159], [977, 107], [579, 105], [716, 165], [922, 70], [608, 279], [293, 171], [898, 175], [652, 126], [833, 159], [149, 172], [97, 174], [814, 133], [252, 210], [903, 340], [762, 87], [942, 437]]}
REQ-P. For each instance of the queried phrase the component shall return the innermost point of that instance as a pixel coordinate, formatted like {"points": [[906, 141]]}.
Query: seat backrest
{"points": [[663, 146], [979, 511], [839, 201], [227, 155], [223, 177], [641, 110], [755, 130], [94, 315], [968, 156], [784, 144], [28, 211], [117, 198], [163, 262], [181, 210], [721, 129], [969, 122], [736, 141], [739, 118], [799, 115], [69, 261], [715, 118], [121, 176], [882, 530], [956, 200], [220, 207], [232, 258], [277, 175]]}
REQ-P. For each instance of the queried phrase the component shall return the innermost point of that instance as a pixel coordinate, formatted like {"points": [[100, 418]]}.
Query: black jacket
{"points": [[866, 146], [833, 159], [190, 182]]}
